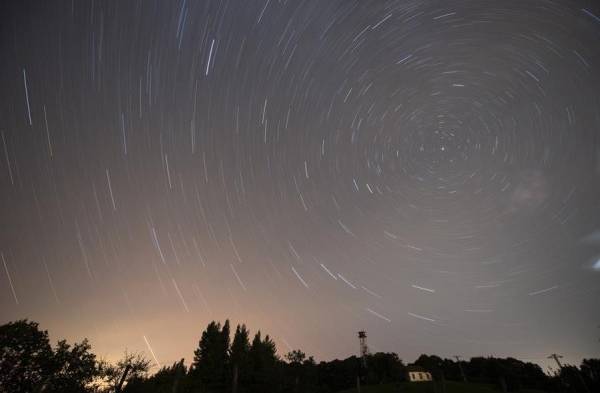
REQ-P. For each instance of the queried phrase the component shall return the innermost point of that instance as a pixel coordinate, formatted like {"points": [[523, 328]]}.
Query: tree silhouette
{"points": [[74, 367], [385, 368], [169, 379], [239, 356], [590, 369], [224, 346], [211, 358], [26, 357], [263, 360], [28, 363], [296, 358], [132, 366]]}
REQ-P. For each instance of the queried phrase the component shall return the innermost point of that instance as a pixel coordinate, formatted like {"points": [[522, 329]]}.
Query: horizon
{"points": [[547, 365], [426, 171]]}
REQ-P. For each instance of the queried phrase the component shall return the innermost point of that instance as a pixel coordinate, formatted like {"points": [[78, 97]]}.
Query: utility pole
{"points": [[556, 357], [462, 372], [559, 372], [560, 367]]}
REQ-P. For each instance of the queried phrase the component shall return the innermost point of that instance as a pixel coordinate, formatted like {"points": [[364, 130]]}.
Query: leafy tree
{"points": [[300, 372], [590, 369], [28, 363], [73, 368], [132, 366], [309, 374], [26, 358], [510, 374], [169, 379], [295, 359], [431, 363], [338, 374], [385, 368], [572, 380]]}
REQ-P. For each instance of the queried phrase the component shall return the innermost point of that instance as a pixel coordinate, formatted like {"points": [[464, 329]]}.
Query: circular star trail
{"points": [[427, 171]]}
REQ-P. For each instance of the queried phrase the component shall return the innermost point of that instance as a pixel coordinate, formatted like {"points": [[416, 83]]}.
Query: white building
{"points": [[418, 374]]}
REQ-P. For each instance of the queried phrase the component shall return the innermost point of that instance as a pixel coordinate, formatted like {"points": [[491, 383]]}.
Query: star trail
{"points": [[427, 171]]}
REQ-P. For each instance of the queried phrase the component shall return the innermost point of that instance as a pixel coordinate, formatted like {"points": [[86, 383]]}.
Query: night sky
{"points": [[428, 171]]}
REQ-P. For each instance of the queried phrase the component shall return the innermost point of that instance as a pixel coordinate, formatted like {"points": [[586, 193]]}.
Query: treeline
{"points": [[513, 375], [227, 361]]}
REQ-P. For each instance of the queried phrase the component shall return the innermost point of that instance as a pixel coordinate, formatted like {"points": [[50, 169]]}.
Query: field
{"points": [[429, 387]]}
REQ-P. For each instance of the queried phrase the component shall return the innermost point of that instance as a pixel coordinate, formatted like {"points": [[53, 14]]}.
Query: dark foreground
{"points": [[222, 364]]}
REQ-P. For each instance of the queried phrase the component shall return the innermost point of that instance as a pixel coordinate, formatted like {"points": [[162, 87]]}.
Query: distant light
{"points": [[596, 265]]}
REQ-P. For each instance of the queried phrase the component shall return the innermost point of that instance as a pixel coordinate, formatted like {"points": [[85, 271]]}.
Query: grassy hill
{"points": [[429, 387]]}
